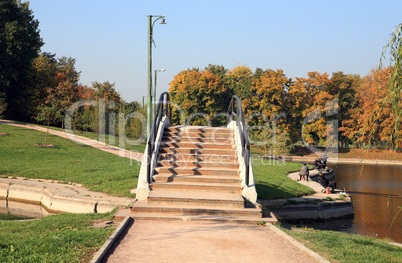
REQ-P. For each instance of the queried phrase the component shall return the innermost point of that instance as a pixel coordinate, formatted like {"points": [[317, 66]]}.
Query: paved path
{"points": [[82, 140], [174, 241], [314, 185]]}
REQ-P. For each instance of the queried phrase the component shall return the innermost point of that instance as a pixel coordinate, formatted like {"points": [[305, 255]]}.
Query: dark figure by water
{"points": [[318, 164], [324, 182], [324, 159], [304, 172]]}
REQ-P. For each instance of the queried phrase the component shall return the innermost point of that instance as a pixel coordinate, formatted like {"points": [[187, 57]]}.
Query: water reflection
{"points": [[374, 214], [22, 210]]}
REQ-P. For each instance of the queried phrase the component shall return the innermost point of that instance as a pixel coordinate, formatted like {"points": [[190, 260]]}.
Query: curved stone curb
{"points": [[111, 240], [60, 197], [297, 244]]}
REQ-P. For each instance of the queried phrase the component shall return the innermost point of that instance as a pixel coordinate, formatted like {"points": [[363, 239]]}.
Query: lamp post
{"points": [[151, 23], [156, 74]]}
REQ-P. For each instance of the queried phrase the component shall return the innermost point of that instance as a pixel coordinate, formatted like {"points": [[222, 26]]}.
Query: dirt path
{"points": [[174, 241], [81, 139]]}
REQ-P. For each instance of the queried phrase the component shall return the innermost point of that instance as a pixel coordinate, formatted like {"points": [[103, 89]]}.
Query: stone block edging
{"points": [[59, 197], [99, 256]]}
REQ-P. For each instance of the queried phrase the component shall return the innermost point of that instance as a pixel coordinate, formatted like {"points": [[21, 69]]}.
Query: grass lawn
{"points": [[56, 238], [108, 173], [343, 247], [272, 182], [66, 162]]}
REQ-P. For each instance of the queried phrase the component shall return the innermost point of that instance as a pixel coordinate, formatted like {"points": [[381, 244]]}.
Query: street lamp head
{"points": [[163, 21], [163, 69]]}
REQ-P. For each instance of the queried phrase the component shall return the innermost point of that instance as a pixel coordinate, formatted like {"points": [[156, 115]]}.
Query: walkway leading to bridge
{"points": [[178, 241]]}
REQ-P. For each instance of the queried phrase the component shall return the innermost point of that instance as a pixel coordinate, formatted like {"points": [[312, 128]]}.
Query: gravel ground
{"points": [[178, 241]]}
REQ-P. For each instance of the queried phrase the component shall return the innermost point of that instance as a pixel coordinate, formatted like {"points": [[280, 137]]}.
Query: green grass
{"points": [[343, 247], [67, 162], [56, 238], [109, 139], [272, 182]]}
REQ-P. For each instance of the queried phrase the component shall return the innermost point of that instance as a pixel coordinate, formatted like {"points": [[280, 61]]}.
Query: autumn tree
{"points": [[370, 123], [201, 95], [394, 84], [264, 104], [19, 44], [307, 103], [343, 87]]}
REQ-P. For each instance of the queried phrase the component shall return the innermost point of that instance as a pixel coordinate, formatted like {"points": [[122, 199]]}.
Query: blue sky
{"points": [[109, 38]]}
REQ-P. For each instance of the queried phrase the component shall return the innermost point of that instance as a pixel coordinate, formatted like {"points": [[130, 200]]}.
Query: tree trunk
{"points": [[47, 132]]}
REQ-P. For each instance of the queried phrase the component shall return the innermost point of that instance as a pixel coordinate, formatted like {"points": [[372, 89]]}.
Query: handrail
{"points": [[163, 109], [241, 125]]}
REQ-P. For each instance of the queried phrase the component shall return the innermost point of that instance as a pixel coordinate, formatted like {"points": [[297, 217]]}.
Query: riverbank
{"points": [[310, 159], [319, 206]]}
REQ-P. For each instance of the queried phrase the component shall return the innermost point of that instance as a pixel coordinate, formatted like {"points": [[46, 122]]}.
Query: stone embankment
{"points": [[317, 207], [331, 160], [57, 197]]}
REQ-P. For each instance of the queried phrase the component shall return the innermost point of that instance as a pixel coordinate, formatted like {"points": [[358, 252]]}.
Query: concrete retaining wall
{"points": [[321, 211], [59, 197]]}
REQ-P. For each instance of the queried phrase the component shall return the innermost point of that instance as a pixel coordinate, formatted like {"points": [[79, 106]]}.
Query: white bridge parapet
{"points": [[249, 192], [143, 188]]}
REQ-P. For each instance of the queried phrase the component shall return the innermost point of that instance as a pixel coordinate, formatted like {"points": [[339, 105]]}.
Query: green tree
{"points": [[49, 114], [106, 91], [344, 88], [3, 104], [240, 80], [19, 44], [41, 78], [217, 70]]}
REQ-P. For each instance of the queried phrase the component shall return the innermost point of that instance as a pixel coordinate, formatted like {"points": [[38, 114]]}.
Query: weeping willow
{"points": [[394, 97], [393, 50]]}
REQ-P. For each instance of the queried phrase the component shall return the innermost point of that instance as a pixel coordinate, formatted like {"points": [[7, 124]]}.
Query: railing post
{"points": [[242, 128], [153, 133]]}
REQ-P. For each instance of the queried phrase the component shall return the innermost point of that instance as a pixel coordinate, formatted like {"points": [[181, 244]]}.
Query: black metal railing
{"points": [[241, 125], [163, 109]]}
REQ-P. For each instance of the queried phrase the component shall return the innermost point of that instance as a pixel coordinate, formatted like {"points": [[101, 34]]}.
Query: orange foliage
{"points": [[308, 97], [269, 91], [198, 92], [370, 119]]}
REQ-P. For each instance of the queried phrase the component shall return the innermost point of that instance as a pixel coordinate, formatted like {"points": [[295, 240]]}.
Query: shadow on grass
{"points": [[272, 192]]}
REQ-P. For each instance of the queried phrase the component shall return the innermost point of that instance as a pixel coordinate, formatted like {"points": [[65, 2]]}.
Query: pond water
{"points": [[376, 191], [17, 211]]}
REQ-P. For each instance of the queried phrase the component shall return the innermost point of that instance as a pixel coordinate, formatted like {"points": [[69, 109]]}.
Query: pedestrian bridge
{"points": [[197, 172]]}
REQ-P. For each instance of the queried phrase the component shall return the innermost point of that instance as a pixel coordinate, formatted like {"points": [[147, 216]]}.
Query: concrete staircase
{"points": [[197, 177]]}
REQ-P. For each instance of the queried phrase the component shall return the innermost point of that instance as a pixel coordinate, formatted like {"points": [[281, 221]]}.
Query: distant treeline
{"points": [[284, 111]]}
